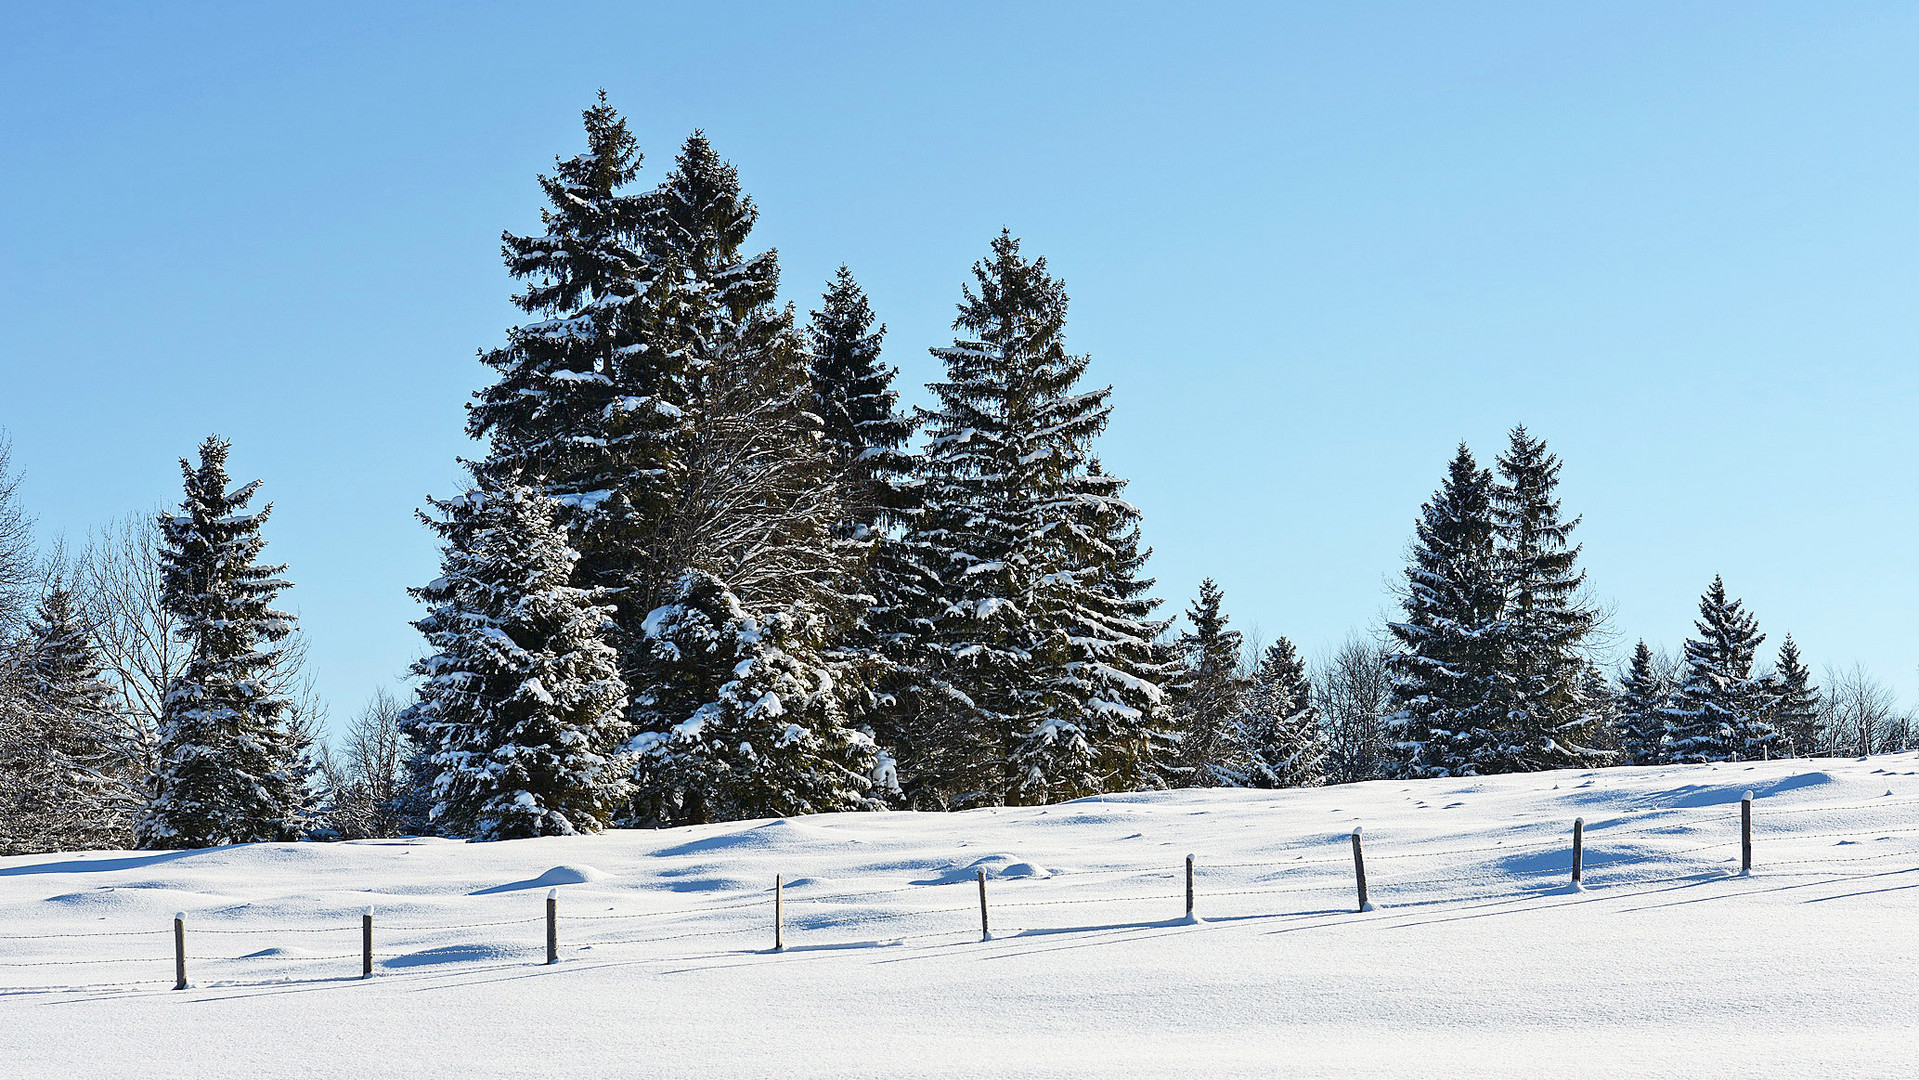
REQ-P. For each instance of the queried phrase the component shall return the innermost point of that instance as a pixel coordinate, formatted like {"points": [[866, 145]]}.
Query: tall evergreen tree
{"points": [[1642, 724], [1541, 634], [1279, 728], [1008, 706], [1209, 696], [1450, 708], [590, 394], [520, 710], [231, 768], [864, 435], [1796, 704], [1719, 713]]}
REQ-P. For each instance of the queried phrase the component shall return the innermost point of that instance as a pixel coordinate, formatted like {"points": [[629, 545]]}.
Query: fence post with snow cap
{"points": [[1189, 888], [1745, 833], [366, 943], [179, 950], [1579, 849], [1359, 871], [779, 931], [985, 931], [552, 926]]}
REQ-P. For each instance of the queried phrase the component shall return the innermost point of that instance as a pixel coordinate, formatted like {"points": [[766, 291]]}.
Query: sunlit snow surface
{"points": [[1479, 960]]}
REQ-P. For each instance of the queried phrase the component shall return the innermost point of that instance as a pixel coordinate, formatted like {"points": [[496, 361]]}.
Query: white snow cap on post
{"points": [[552, 894], [179, 916], [1747, 796]]}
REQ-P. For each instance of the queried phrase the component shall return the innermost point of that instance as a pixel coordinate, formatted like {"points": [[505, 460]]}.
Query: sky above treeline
{"points": [[1313, 247]]}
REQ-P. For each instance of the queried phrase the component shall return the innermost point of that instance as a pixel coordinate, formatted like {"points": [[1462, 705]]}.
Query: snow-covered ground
{"points": [[1478, 960]]}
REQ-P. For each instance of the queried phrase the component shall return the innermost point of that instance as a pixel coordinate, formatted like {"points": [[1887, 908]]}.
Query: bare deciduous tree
{"points": [[366, 776], [1353, 688]]}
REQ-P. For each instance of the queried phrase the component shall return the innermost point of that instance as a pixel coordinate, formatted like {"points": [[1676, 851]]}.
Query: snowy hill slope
{"points": [[1479, 960]]}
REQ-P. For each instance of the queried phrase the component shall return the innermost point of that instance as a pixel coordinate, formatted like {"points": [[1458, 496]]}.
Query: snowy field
{"points": [[1478, 961]]}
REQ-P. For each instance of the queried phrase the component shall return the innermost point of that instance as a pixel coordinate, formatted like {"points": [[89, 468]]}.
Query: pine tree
{"points": [[590, 394], [521, 706], [1719, 712], [1279, 728], [1450, 709], [1545, 623], [61, 764], [1208, 697], [773, 739], [1642, 724], [231, 768], [1009, 705], [1796, 704], [864, 435]]}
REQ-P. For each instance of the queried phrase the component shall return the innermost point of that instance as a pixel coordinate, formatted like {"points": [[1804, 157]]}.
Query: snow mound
{"points": [[996, 866], [576, 874]]}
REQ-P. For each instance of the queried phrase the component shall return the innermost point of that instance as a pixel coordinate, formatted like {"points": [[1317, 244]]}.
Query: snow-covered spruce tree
{"points": [[231, 761], [773, 739], [521, 707], [865, 434], [1007, 710], [1279, 728], [589, 396], [1796, 707], [1448, 689], [1639, 716], [1208, 695], [1720, 710], [1549, 722], [62, 769]]}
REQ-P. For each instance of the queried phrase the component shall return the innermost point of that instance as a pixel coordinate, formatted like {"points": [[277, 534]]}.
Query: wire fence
{"points": [[1209, 888]]}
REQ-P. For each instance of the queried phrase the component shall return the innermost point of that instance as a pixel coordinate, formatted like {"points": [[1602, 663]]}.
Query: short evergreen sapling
{"points": [[1209, 695], [1796, 705], [63, 773], [1280, 730], [521, 708], [1639, 715], [1720, 711], [748, 717], [231, 761]]}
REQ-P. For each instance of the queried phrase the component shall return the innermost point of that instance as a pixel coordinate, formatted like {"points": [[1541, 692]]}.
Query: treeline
{"points": [[707, 567]]}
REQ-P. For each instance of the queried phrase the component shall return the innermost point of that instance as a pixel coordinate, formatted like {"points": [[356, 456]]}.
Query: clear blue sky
{"points": [[1313, 246]]}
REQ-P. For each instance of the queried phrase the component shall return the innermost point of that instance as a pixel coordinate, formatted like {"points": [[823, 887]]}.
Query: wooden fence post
{"points": [[1359, 871], [366, 943], [1579, 850], [552, 926], [179, 950], [985, 933], [779, 930], [1189, 888], [1745, 834]]}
